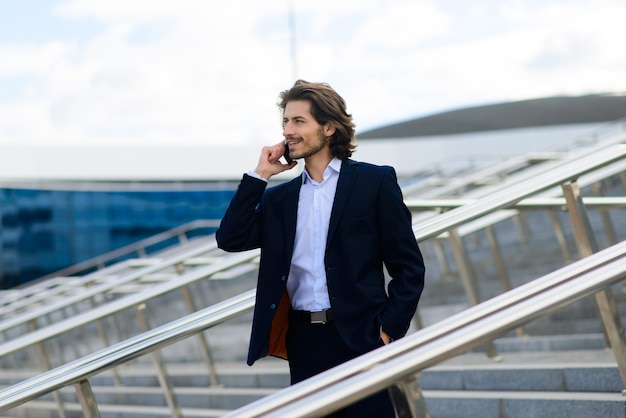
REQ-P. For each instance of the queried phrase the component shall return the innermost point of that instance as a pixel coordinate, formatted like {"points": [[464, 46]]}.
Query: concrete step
{"points": [[140, 395], [547, 343], [222, 398], [567, 383], [504, 404], [49, 409], [552, 371], [551, 384]]}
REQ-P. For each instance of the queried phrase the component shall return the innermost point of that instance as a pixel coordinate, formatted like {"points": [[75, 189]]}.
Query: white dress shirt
{"points": [[306, 284]]}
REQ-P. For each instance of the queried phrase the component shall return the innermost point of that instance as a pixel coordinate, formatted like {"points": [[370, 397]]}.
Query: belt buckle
{"points": [[318, 317]]}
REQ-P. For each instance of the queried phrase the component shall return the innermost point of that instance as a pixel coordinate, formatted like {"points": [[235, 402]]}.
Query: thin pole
{"points": [[292, 38]]}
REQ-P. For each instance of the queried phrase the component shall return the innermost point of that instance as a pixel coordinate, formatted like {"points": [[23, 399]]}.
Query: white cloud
{"points": [[30, 59], [196, 72], [556, 48], [401, 25]]}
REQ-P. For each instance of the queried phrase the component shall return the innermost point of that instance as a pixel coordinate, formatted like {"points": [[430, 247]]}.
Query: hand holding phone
{"points": [[286, 154], [269, 161]]}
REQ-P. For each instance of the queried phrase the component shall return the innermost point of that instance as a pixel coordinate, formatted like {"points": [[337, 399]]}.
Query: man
{"points": [[325, 238]]}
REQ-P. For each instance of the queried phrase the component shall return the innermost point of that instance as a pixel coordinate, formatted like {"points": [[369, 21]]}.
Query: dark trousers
{"points": [[314, 348]]}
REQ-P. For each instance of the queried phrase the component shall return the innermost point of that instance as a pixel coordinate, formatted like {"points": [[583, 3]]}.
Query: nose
{"points": [[288, 130]]}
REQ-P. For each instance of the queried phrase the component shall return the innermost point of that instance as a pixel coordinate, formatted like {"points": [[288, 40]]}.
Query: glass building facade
{"points": [[45, 229]]}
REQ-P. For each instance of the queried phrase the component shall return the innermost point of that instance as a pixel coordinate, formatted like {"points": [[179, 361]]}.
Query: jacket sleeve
{"points": [[240, 228], [402, 258]]}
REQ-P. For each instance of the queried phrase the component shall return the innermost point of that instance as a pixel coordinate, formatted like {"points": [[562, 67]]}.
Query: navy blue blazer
{"points": [[370, 226]]}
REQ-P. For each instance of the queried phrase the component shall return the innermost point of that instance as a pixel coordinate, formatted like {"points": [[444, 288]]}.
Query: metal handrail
{"points": [[443, 222], [126, 302], [104, 287], [450, 345], [534, 203], [570, 166], [517, 162], [539, 201], [365, 371], [455, 335], [513, 193], [426, 229], [38, 290], [136, 247], [422, 202], [125, 351]]}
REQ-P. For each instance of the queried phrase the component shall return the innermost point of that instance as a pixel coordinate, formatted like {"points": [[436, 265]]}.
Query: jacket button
{"points": [[273, 306], [284, 278]]}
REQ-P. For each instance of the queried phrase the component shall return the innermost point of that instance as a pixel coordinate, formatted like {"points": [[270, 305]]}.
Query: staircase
{"points": [[550, 383], [555, 366]]}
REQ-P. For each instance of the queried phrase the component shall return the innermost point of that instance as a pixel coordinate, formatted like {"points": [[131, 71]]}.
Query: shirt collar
{"points": [[334, 165]]}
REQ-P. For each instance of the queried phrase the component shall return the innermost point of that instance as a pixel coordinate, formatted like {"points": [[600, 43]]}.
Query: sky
{"points": [[201, 72]]}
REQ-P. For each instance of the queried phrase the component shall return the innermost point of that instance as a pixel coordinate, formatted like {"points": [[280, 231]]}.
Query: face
{"points": [[305, 137]]}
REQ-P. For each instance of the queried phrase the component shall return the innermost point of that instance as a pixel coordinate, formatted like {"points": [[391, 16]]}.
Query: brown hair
{"points": [[326, 107]]}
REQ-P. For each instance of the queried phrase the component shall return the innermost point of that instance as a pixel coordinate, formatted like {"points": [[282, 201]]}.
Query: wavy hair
{"points": [[327, 106]]}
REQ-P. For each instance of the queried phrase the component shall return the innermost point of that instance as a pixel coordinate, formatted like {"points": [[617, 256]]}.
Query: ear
{"points": [[329, 129]]}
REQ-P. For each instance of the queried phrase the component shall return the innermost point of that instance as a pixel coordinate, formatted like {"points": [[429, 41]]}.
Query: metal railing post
{"points": [[417, 319], [54, 345], [521, 225], [499, 263], [583, 233], [408, 401], [105, 340], [182, 237], [604, 214], [464, 269], [560, 236], [497, 258], [605, 301], [205, 350], [45, 365], [157, 361], [86, 399], [441, 257], [469, 282]]}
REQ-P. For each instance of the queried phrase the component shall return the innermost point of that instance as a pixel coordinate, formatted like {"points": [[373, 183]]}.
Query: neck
{"points": [[316, 164]]}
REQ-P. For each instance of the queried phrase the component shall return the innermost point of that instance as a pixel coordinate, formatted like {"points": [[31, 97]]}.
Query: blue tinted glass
{"points": [[46, 230]]}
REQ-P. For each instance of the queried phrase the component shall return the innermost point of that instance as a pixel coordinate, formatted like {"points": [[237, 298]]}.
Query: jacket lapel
{"points": [[347, 177], [290, 205]]}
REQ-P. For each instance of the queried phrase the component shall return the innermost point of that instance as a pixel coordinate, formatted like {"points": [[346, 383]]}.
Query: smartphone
{"points": [[286, 154]]}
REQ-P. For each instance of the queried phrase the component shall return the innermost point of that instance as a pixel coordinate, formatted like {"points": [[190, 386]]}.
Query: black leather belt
{"points": [[313, 317]]}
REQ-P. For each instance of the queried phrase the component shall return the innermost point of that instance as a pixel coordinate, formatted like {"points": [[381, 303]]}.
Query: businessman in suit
{"points": [[325, 238]]}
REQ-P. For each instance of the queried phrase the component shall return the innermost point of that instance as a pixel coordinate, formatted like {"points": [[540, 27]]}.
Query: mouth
{"points": [[291, 142]]}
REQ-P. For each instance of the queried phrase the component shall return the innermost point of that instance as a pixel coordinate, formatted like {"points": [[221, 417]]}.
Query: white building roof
{"points": [[197, 163]]}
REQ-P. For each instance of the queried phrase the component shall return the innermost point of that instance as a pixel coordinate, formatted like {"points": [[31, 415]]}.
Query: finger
{"points": [[276, 152], [289, 166]]}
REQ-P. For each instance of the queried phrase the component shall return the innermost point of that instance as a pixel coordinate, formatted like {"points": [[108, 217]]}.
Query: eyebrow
{"points": [[285, 118]]}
